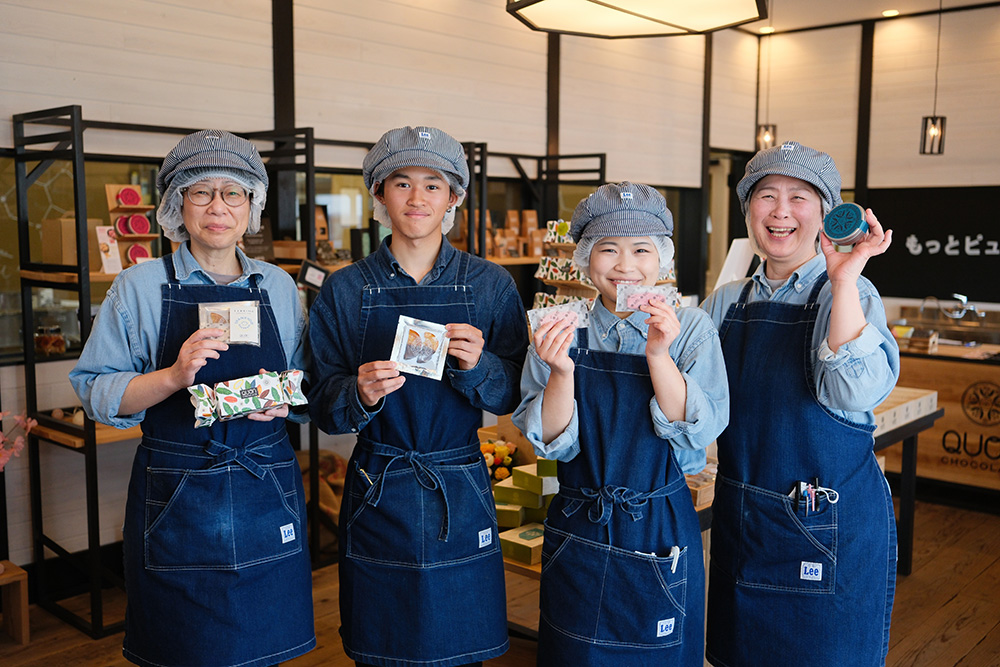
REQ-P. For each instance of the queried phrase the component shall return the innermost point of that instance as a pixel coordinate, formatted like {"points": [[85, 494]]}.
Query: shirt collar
{"points": [[388, 261], [603, 321], [185, 264], [801, 279]]}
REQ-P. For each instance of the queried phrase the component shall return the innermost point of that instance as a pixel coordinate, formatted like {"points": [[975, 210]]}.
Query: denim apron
{"points": [[215, 568], [795, 579], [421, 572], [622, 572]]}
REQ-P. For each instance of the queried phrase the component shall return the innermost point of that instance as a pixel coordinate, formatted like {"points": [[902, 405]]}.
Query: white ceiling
{"points": [[795, 14]]}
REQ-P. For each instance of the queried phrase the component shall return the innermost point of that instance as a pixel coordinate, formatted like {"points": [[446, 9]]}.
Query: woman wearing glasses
{"points": [[216, 569]]}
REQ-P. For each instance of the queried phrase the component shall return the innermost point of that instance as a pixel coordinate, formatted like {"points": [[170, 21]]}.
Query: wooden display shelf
{"points": [[112, 190], [66, 277], [514, 261], [104, 433], [572, 288]]}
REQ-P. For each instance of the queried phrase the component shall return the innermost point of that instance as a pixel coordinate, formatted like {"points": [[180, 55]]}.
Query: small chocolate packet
{"points": [[576, 312], [420, 347], [634, 297], [239, 319]]}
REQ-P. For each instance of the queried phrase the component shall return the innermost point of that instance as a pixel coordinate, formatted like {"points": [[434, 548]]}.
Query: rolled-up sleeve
{"points": [[707, 406], [334, 403], [528, 415], [492, 385], [112, 357], [862, 373]]}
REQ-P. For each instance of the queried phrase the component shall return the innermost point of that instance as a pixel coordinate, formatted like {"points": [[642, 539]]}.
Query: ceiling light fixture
{"points": [[889, 13], [614, 19], [767, 133], [932, 132]]}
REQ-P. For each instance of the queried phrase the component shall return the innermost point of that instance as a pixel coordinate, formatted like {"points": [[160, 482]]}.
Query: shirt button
{"points": [[798, 285], [392, 275]]}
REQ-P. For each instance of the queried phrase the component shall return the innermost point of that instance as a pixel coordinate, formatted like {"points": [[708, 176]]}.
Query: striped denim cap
{"points": [[622, 209], [417, 147], [202, 155], [792, 159], [211, 148]]}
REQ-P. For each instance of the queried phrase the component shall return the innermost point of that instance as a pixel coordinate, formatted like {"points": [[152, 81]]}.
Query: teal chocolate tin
{"points": [[845, 224]]}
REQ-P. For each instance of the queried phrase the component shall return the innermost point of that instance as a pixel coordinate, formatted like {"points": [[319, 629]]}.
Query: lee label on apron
{"points": [[485, 538], [287, 533], [811, 571], [664, 627]]}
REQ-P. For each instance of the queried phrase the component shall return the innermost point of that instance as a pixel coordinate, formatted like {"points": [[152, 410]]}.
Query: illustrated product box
{"points": [[506, 492], [509, 516], [523, 544], [528, 477]]}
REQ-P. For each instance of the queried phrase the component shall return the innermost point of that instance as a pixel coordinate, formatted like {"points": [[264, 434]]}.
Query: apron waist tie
{"points": [[604, 499], [223, 455], [425, 470]]}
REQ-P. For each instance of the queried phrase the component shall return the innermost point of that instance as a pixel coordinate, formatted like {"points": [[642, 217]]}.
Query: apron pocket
{"points": [[221, 519], [405, 528], [780, 547], [608, 596]]}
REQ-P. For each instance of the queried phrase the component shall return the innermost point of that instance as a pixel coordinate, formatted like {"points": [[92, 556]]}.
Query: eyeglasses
{"points": [[202, 195]]}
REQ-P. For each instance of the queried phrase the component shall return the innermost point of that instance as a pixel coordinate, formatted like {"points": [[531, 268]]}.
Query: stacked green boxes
{"points": [[508, 515], [523, 544], [527, 494]]}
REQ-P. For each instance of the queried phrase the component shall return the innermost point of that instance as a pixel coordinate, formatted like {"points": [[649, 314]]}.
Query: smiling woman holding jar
{"points": [[803, 535]]}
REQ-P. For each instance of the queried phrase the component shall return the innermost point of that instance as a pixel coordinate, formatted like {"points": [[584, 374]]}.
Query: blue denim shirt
{"points": [[698, 356], [860, 375], [334, 402], [123, 341]]}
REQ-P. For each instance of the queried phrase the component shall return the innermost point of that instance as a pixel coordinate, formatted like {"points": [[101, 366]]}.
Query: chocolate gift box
{"points": [[240, 397]]}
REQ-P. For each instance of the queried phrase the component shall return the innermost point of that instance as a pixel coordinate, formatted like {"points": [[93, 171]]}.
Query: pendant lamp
{"points": [[932, 131], [767, 132], [615, 19]]}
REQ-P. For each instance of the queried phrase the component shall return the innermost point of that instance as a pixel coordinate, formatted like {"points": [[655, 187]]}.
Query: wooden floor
{"points": [[946, 613]]}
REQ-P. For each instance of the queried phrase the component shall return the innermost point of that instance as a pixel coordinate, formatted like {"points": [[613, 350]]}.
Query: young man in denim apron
{"points": [[421, 572], [803, 534], [216, 570], [626, 412]]}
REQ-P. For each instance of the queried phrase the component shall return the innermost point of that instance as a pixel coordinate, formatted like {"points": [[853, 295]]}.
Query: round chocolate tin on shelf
{"points": [[129, 197], [136, 251], [121, 224], [138, 224], [845, 224]]}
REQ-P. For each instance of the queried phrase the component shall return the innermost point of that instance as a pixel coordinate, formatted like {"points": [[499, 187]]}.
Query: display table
{"points": [[906, 433]]}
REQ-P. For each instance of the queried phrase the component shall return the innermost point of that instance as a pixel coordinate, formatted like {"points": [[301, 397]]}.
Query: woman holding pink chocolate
{"points": [[627, 403], [216, 569]]}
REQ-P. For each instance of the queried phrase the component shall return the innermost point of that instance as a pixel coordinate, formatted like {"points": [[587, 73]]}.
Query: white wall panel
{"points": [[639, 101], [465, 66], [968, 95], [163, 62], [734, 90], [814, 91]]}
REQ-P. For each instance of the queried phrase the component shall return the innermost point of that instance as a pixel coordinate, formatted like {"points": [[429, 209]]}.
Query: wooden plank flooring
{"points": [[947, 612]]}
